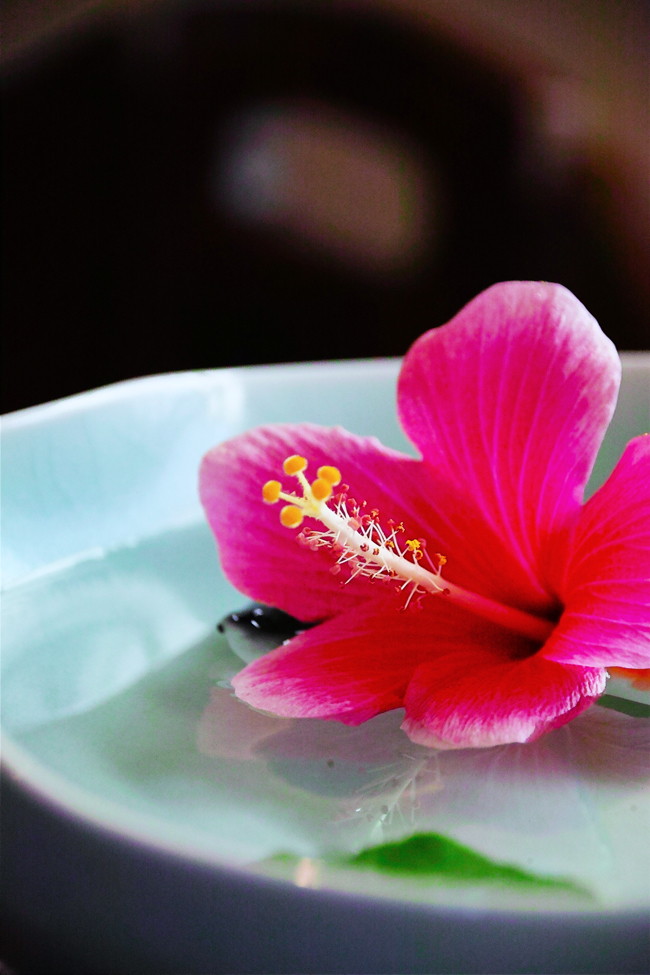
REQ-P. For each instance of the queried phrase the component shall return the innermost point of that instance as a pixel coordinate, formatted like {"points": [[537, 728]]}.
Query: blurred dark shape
{"points": [[123, 257], [328, 183], [256, 629]]}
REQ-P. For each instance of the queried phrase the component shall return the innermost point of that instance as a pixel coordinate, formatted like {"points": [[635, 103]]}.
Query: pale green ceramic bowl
{"points": [[147, 810]]}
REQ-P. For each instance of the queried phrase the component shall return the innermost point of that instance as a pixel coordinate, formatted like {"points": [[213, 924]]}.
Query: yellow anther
{"points": [[330, 474], [290, 516], [294, 464], [321, 489], [414, 544], [271, 491]]}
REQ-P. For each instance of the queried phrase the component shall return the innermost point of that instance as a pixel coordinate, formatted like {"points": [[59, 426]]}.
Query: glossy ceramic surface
{"points": [[116, 707]]}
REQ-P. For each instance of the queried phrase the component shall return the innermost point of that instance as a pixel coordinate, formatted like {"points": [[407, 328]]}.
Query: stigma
{"points": [[358, 542]]}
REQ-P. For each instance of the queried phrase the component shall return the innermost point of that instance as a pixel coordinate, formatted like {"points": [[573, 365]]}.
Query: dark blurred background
{"points": [[201, 184], [191, 185]]}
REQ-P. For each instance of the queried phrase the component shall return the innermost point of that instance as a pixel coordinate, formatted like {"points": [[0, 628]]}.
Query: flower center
{"points": [[363, 547]]}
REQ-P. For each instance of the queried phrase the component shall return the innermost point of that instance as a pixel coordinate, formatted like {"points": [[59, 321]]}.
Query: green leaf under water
{"points": [[430, 855], [635, 709]]}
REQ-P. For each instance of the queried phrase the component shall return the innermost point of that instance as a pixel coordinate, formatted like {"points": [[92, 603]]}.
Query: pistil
{"points": [[359, 542]]}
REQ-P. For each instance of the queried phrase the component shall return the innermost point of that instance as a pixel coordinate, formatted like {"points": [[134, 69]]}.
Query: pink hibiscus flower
{"points": [[494, 614]]}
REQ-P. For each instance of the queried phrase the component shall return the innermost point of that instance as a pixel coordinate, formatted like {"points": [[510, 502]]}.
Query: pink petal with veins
{"points": [[350, 668], [470, 697], [509, 402], [606, 584], [441, 662]]}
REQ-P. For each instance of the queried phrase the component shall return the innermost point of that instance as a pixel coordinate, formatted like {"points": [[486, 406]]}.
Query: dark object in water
{"points": [[253, 631]]}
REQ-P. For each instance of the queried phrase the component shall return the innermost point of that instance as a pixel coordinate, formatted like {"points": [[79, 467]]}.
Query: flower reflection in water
{"points": [[564, 805]]}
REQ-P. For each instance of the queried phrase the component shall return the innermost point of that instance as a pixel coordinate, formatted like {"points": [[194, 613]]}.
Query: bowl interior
{"points": [[114, 680]]}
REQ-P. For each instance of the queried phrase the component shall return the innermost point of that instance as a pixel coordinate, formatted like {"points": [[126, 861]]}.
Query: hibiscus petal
{"points": [[352, 667], [258, 555], [475, 698], [509, 403], [360, 664], [606, 585]]}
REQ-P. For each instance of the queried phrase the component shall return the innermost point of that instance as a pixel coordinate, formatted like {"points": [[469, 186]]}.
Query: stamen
{"points": [[414, 546], [359, 543]]}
